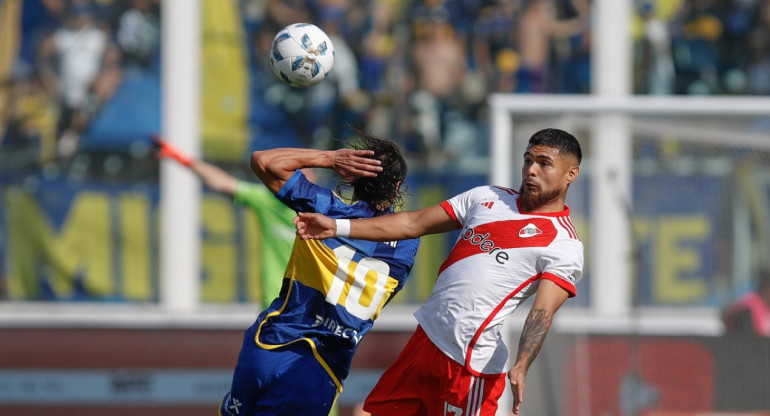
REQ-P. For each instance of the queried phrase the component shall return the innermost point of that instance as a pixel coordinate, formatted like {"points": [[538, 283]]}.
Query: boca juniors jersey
{"points": [[333, 289], [497, 262]]}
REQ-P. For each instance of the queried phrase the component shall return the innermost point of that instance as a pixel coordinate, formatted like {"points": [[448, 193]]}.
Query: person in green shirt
{"points": [[273, 217]]}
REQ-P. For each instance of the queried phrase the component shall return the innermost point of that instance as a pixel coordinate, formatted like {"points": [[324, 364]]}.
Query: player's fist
{"points": [[312, 226]]}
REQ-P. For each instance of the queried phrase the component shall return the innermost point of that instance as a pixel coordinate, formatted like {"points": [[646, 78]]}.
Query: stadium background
{"points": [[84, 326]]}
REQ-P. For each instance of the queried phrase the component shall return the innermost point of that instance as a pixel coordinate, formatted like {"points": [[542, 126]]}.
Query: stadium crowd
{"points": [[416, 71]]}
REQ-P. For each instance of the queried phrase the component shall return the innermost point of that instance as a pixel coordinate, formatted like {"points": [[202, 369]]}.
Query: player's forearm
{"points": [[275, 166], [281, 161], [385, 228], [402, 225], [532, 337], [214, 177]]}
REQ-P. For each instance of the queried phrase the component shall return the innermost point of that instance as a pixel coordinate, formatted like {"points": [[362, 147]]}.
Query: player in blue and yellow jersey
{"points": [[298, 352]]}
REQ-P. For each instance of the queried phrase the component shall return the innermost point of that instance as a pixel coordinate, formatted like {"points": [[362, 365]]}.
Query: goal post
{"points": [[611, 121]]}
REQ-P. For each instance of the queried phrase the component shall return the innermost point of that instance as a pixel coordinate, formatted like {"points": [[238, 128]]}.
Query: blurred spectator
{"points": [[572, 55], [339, 100], [30, 136], [539, 27], [758, 68], [70, 61], [439, 61], [696, 48], [738, 18], [39, 19], [138, 33], [286, 12], [656, 61], [106, 83], [378, 47], [750, 314], [495, 44]]}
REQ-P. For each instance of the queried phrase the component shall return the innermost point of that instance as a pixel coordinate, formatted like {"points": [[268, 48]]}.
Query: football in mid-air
{"points": [[301, 55]]}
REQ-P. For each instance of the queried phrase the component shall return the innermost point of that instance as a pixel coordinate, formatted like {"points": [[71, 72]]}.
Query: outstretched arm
{"points": [[212, 176], [548, 300], [275, 166], [398, 226]]}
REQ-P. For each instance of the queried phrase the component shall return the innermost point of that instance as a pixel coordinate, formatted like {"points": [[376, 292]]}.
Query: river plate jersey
{"points": [[333, 289], [496, 263]]}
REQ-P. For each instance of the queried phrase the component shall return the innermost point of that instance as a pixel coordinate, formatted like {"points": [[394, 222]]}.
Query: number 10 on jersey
{"points": [[360, 287]]}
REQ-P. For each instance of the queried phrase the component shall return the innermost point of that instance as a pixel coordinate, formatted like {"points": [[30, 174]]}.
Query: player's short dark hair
{"points": [[381, 191], [558, 139]]}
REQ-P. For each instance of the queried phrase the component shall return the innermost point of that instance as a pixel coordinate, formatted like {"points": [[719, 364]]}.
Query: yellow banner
{"points": [[225, 92], [10, 17]]}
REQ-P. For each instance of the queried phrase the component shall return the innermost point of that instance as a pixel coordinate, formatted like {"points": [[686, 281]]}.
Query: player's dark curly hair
{"points": [[381, 191], [558, 139]]}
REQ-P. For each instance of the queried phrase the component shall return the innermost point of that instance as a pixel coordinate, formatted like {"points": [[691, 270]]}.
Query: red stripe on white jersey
{"points": [[567, 224], [488, 320], [449, 210], [491, 237]]}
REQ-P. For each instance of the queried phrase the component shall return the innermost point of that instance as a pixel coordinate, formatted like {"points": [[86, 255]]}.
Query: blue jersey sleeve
{"points": [[301, 195]]}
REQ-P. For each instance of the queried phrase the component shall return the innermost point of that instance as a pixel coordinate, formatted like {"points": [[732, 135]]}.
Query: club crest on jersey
{"points": [[530, 230]]}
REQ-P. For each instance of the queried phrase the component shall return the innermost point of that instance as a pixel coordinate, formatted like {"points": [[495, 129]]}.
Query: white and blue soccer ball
{"points": [[302, 55]]}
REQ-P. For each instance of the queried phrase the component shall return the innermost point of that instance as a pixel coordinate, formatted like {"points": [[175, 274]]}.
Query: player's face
{"points": [[546, 174]]}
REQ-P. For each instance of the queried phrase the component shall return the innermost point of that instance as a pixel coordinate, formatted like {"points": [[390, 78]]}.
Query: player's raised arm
{"points": [[275, 166], [399, 226]]}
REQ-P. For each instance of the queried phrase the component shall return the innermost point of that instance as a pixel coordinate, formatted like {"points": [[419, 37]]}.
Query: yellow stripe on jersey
{"points": [[362, 287], [313, 264], [308, 340]]}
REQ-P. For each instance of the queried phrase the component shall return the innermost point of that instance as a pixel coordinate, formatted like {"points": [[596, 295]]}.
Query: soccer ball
{"points": [[302, 55]]}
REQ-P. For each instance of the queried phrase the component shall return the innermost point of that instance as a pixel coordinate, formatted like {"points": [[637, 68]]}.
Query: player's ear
{"points": [[572, 173]]}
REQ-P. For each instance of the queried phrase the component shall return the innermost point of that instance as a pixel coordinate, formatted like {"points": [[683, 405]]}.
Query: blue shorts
{"points": [[285, 381]]}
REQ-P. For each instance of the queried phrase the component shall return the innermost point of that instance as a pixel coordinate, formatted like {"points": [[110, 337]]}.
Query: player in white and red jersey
{"points": [[511, 246]]}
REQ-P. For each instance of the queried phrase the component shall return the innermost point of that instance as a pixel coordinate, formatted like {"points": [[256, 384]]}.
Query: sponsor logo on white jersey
{"points": [[530, 230], [485, 244]]}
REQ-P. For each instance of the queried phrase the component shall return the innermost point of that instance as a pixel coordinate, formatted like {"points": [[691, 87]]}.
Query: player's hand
{"points": [[516, 378], [164, 149], [351, 164], [312, 226]]}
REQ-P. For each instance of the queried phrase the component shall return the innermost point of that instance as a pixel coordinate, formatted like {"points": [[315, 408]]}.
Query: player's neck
{"points": [[556, 205]]}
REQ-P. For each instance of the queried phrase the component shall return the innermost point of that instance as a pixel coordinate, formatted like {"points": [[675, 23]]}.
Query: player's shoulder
{"points": [[503, 190], [568, 230], [486, 191]]}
